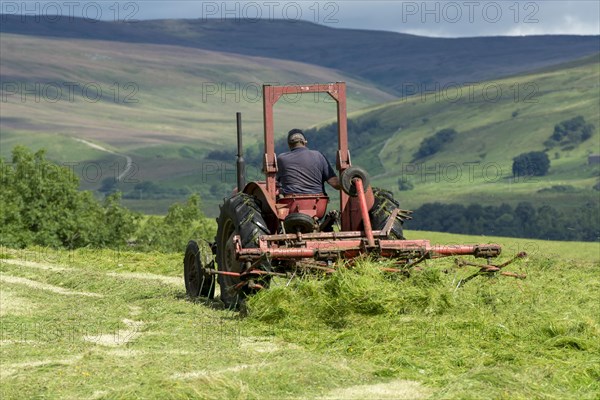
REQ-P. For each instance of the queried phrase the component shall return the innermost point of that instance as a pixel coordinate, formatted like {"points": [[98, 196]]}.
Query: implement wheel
{"points": [[240, 215], [347, 180], [198, 282], [298, 222], [381, 212]]}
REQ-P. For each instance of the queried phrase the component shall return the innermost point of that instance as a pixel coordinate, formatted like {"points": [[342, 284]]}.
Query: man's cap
{"points": [[296, 136]]}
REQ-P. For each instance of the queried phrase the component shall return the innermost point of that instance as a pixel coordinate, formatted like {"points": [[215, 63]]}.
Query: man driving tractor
{"points": [[303, 171]]}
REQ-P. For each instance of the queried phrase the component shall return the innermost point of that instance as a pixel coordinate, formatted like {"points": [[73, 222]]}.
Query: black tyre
{"points": [[197, 281], [381, 212], [240, 215], [346, 180], [298, 222]]}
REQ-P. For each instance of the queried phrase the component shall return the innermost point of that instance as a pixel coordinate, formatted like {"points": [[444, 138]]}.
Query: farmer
{"points": [[303, 171]]}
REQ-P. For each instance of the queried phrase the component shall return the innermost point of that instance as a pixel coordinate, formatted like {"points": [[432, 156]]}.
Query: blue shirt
{"points": [[303, 171]]}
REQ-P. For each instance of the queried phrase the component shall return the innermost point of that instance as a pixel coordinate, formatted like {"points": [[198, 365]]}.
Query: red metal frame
{"points": [[271, 94], [329, 246], [356, 236]]}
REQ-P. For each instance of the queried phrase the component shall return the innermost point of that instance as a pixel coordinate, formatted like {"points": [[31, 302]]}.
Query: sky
{"points": [[427, 18]]}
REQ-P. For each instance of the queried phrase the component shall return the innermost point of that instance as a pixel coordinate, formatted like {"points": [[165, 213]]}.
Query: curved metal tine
{"points": [[235, 305], [211, 289], [467, 279], [290, 280], [202, 284]]}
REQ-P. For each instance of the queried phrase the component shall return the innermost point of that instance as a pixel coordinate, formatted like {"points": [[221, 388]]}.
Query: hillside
{"points": [[130, 95], [153, 103], [389, 60], [495, 121], [154, 109]]}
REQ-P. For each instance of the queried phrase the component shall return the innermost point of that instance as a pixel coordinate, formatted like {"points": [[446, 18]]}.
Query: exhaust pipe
{"points": [[240, 163]]}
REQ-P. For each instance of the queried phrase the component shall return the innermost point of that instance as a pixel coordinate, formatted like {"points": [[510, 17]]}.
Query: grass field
{"points": [[116, 324]]}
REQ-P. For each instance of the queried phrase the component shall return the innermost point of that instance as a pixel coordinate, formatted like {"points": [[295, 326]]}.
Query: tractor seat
{"points": [[313, 205]]}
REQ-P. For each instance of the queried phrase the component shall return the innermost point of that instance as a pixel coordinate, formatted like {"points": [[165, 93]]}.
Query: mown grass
{"points": [[492, 337]]}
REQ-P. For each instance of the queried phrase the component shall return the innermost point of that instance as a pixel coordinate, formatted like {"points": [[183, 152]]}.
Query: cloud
{"points": [[452, 18], [567, 25]]}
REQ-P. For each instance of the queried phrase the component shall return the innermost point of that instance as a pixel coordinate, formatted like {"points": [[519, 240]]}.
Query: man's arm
{"points": [[334, 181], [329, 175]]}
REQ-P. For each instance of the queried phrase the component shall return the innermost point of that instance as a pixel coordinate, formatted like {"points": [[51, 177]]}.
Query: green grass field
{"points": [[116, 324]]}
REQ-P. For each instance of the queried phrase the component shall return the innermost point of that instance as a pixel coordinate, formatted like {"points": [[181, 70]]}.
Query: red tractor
{"points": [[262, 234]]}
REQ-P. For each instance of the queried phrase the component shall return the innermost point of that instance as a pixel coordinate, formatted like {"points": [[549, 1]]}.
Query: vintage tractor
{"points": [[262, 234]]}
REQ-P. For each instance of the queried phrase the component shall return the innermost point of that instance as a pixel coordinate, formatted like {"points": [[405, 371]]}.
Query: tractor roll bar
{"points": [[271, 94], [240, 163]]}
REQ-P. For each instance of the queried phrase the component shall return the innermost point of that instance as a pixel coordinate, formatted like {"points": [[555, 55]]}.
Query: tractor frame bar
{"points": [[271, 94]]}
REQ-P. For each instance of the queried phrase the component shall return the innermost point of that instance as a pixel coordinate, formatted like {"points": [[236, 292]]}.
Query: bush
{"points": [[222, 155], [570, 132], [41, 205], [558, 189], [535, 163], [435, 143], [173, 231], [404, 185]]}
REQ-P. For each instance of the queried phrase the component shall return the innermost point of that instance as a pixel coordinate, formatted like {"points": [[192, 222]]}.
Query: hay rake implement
{"points": [[262, 234]]}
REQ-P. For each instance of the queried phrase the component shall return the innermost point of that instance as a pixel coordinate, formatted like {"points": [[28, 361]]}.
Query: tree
{"points": [[534, 163], [404, 185], [571, 132], [435, 143], [172, 232], [545, 222], [41, 205], [109, 185]]}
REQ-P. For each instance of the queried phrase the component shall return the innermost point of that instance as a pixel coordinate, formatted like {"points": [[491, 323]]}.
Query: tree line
{"points": [[524, 220]]}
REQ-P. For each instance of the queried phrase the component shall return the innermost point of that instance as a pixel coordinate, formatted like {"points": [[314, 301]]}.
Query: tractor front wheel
{"points": [[198, 281], [240, 215]]}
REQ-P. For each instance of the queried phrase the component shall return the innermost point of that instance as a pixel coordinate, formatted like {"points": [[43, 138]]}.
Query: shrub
{"points": [[570, 132], [404, 185], [534, 163], [173, 231], [222, 155], [41, 205], [558, 189], [435, 143]]}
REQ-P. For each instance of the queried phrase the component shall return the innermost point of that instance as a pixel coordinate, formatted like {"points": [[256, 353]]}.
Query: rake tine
{"points": [[211, 290], [290, 280], [520, 255], [202, 284], [513, 274]]}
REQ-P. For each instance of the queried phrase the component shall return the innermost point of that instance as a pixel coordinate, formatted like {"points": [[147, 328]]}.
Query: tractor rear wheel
{"points": [[240, 215], [381, 212]]}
